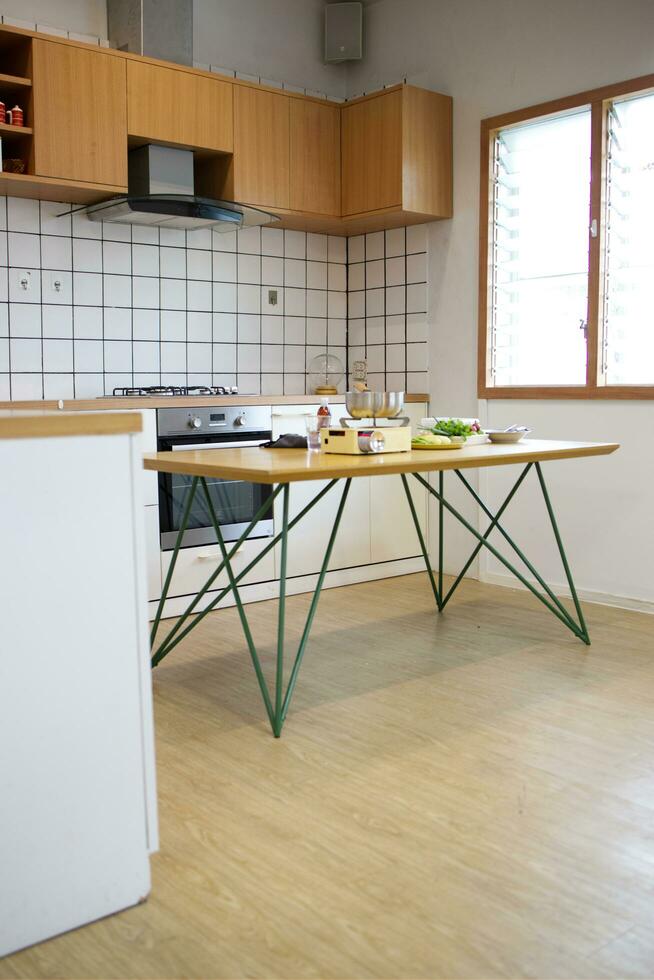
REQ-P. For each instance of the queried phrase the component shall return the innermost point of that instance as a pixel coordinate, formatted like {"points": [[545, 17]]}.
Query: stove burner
{"points": [[171, 391]]}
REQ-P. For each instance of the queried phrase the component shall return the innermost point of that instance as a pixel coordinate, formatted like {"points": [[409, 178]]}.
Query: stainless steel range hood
{"points": [[161, 192]]}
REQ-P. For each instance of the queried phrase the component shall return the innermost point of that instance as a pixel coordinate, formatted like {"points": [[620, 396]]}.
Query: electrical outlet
{"points": [[23, 279], [360, 370], [57, 284], [272, 297]]}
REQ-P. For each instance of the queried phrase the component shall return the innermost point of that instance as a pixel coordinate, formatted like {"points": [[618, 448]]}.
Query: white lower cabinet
{"points": [[153, 551], [195, 565]]}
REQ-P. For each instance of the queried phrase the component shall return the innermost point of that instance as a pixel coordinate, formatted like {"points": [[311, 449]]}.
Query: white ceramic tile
{"points": [[23, 215], [337, 333], [249, 328], [248, 268], [294, 330], [198, 327], [87, 288], [145, 292], [4, 258], [144, 378], [224, 379], [174, 378], [374, 302], [295, 273], [145, 234], [89, 356], [416, 357], [4, 319], [24, 320], [58, 386], [295, 244], [56, 286], [172, 262], [249, 240], [272, 330], [417, 381], [248, 358], [395, 271], [146, 356], [294, 384], [356, 305], [224, 357], [145, 260], [337, 305], [117, 323], [375, 357], [416, 267], [83, 227], [357, 354], [199, 295], [114, 232], [395, 300], [316, 275], [272, 358], [57, 321], [117, 290], [395, 357], [25, 355], [271, 384], [311, 352], [224, 327], [417, 328], [374, 245], [26, 386], [395, 242], [356, 331], [24, 250], [224, 241], [58, 356], [117, 355], [199, 358], [53, 222], [87, 255], [249, 384], [356, 249], [316, 302], [89, 385], [173, 237], [272, 271], [87, 321], [4, 285], [376, 330], [172, 294], [200, 238], [173, 357], [272, 241], [198, 264], [337, 248], [224, 297], [317, 331], [173, 325], [294, 358], [337, 279], [416, 238], [375, 274], [416, 298], [16, 292], [248, 298], [224, 266], [296, 301], [56, 252], [395, 329], [145, 324], [3, 213], [4, 355], [317, 247]]}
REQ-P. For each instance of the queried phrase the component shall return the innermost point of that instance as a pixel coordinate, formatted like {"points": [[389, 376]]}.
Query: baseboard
{"points": [[260, 591], [586, 595]]}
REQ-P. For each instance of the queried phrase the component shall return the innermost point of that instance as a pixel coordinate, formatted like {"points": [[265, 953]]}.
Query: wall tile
{"points": [[56, 252], [57, 321], [26, 355], [87, 255], [117, 324], [58, 356]]}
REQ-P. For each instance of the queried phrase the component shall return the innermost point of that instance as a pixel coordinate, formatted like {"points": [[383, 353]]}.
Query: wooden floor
{"points": [[466, 795]]}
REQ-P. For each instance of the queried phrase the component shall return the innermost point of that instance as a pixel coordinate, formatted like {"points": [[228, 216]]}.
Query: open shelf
{"points": [[56, 189], [8, 132], [14, 83]]}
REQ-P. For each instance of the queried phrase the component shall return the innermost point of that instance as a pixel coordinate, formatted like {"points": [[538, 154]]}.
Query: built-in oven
{"points": [[235, 502]]}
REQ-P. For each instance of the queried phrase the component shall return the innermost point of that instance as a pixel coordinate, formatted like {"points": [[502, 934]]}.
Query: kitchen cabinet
{"points": [[315, 171], [261, 147], [397, 154], [194, 565], [80, 114], [173, 106]]}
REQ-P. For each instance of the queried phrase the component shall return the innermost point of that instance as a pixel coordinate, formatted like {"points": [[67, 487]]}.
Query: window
{"points": [[566, 248]]}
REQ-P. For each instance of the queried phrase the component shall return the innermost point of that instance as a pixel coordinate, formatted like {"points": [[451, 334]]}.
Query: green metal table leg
{"points": [[421, 539], [173, 560], [441, 542], [277, 720]]}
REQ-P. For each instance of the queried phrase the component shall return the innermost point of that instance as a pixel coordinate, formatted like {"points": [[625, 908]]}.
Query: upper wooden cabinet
{"points": [[397, 153], [261, 147], [315, 166], [170, 105], [80, 114]]}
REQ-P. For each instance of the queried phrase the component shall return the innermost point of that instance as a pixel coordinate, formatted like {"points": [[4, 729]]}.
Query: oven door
{"points": [[235, 501]]}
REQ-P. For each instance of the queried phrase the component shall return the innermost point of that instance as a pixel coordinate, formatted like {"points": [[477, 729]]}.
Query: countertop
{"points": [[43, 424], [111, 404]]}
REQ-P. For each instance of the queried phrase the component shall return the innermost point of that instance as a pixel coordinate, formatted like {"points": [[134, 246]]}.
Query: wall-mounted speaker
{"points": [[343, 32]]}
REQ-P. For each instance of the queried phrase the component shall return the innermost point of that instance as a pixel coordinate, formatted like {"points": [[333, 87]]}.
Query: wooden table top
{"points": [[269, 466]]}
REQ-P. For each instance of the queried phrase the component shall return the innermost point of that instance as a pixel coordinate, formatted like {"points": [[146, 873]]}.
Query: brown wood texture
{"points": [[197, 401], [371, 146], [595, 388], [56, 189], [315, 157], [80, 114], [14, 83], [170, 105], [261, 148], [460, 795], [293, 465], [43, 424], [8, 132], [426, 152]]}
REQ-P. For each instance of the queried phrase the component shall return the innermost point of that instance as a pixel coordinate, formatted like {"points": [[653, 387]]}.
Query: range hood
{"points": [[162, 193]]}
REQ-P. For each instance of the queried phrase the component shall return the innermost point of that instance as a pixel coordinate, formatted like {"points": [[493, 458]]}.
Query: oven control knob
{"points": [[240, 419], [194, 422]]}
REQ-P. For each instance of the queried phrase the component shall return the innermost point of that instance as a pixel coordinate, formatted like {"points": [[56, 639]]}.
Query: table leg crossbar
{"points": [[547, 596]]}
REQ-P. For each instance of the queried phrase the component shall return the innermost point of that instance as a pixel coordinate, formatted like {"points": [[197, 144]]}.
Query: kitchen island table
{"points": [[281, 467]]}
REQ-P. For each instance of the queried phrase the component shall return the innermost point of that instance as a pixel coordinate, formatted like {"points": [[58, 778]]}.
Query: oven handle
{"points": [[219, 445]]}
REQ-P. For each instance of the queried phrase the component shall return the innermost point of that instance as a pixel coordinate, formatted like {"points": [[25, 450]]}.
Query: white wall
{"points": [[276, 39], [493, 57], [81, 16]]}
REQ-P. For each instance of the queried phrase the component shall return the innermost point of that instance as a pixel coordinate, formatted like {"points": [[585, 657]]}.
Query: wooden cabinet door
{"points": [[80, 114], [372, 153], [170, 105], [315, 157], [261, 147]]}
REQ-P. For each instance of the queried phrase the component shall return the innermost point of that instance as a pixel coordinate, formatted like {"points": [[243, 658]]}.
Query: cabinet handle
{"points": [[209, 556]]}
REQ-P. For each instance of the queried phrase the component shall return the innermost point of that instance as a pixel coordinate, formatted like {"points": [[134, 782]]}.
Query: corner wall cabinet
{"points": [[380, 161]]}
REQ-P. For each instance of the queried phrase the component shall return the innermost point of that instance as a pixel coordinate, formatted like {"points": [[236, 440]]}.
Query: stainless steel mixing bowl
{"points": [[374, 404]]}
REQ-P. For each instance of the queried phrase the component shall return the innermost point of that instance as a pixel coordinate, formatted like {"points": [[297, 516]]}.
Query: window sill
{"points": [[576, 392]]}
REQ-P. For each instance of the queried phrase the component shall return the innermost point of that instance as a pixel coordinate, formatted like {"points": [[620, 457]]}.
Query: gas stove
{"points": [[173, 391]]}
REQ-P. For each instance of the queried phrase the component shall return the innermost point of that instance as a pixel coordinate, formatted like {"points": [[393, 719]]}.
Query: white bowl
{"points": [[499, 436]]}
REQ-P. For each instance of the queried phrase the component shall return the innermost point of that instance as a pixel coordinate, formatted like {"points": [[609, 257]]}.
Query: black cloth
{"points": [[288, 441]]}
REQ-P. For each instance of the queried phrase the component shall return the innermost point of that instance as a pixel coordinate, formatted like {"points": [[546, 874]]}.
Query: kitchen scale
{"points": [[359, 437]]}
